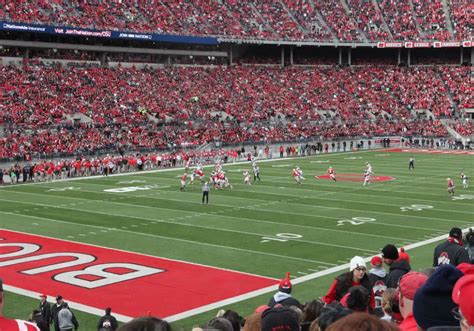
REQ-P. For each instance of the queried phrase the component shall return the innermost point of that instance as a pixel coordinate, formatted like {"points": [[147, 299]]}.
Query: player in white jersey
{"points": [[256, 172], [368, 168], [246, 177], [367, 175], [464, 180]]}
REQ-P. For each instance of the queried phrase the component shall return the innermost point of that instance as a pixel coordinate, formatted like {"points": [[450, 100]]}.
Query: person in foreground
{"points": [[9, 324]]}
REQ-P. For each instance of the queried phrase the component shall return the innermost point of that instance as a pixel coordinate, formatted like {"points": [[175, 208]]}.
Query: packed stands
{"points": [[295, 20], [141, 108]]}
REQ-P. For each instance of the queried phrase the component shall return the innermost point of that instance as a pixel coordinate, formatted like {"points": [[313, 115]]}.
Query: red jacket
{"points": [[331, 295], [408, 324]]}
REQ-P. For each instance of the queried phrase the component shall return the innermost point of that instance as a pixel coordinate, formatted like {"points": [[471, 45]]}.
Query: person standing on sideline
{"points": [[411, 163], [12, 325], [205, 192], [107, 322], [45, 310], [66, 319]]}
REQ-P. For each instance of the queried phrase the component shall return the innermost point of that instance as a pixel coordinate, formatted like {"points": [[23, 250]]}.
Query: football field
{"points": [[244, 240]]}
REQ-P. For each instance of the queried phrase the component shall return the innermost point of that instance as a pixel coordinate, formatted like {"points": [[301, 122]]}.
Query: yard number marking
{"points": [[356, 221], [416, 207], [281, 237]]}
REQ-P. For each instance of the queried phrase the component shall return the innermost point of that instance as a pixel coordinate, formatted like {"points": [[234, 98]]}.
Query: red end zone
{"points": [[356, 177], [428, 151], [132, 284]]}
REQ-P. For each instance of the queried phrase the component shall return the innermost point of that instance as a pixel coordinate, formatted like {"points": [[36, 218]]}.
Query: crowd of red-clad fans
{"points": [[464, 128], [321, 20], [188, 106]]}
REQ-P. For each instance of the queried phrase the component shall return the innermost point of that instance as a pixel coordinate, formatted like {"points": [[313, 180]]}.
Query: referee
{"points": [[205, 193], [411, 163]]}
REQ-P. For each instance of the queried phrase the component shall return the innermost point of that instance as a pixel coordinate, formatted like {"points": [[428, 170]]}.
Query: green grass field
{"points": [[269, 228]]}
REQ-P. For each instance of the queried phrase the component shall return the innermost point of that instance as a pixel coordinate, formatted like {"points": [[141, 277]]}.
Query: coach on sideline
{"points": [[205, 192]]}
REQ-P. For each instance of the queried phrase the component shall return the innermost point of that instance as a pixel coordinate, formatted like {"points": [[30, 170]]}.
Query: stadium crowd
{"points": [[189, 106], [311, 20], [394, 297]]}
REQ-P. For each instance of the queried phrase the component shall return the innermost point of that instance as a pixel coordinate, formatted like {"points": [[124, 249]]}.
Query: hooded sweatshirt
{"points": [[285, 299], [396, 271]]}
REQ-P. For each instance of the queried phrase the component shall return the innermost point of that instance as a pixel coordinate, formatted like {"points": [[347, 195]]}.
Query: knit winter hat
{"points": [[433, 301], [285, 284], [456, 233], [376, 261], [280, 319], [357, 262], [390, 252]]}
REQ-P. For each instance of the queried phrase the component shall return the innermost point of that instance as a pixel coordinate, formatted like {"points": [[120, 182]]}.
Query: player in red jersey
{"points": [[184, 177], [332, 173], [13, 325], [451, 187]]}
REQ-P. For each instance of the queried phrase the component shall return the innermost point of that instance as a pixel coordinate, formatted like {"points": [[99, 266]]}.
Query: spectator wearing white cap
{"points": [[357, 276]]}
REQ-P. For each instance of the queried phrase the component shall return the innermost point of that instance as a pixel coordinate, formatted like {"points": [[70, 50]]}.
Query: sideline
{"points": [[182, 168]]}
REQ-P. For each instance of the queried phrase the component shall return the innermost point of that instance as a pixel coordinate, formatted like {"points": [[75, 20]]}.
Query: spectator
{"points": [[357, 276], [145, 324], [234, 318], [282, 318], [219, 323], [107, 322], [55, 310], [397, 267], [409, 284], [469, 242], [66, 319], [45, 310], [357, 299], [377, 273], [451, 251], [253, 322], [12, 325], [330, 314], [361, 322], [391, 306], [402, 255], [311, 312], [463, 294], [37, 318], [283, 296], [433, 303]]}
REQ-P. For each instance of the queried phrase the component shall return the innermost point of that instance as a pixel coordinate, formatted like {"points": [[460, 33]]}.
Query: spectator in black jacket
{"points": [[55, 310], [283, 296], [37, 318], [45, 310], [451, 251], [107, 322], [398, 267]]}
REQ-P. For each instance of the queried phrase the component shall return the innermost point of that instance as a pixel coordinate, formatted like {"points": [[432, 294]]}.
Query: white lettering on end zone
{"points": [[106, 278], [133, 188]]}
